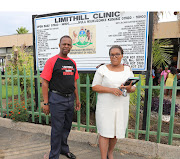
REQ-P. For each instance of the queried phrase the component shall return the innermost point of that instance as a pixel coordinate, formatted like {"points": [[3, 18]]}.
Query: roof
{"points": [[17, 40], [167, 30]]}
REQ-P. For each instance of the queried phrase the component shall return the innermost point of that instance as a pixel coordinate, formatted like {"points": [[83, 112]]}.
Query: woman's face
{"points": [[115, 56]]}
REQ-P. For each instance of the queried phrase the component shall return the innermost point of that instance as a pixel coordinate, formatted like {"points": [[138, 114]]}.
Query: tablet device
{"points": [[133, 79]]}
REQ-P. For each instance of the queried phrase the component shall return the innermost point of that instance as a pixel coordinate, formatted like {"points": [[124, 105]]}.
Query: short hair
{"points": [[65, 36], [173, 70], [117, 47]]}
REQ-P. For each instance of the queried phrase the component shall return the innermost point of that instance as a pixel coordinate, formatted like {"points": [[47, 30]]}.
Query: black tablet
{"points": [[133, 79]]}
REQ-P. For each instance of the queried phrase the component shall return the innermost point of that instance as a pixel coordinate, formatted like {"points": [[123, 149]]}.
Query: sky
{"points": [[14, 16]]}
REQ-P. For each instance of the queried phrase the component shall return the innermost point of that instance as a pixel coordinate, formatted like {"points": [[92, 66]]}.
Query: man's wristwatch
{"points": [[46, 103]]}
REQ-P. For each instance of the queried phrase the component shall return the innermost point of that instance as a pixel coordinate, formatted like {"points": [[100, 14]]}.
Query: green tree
{"points": [[161, 52], [22, 30], [22, 60]]}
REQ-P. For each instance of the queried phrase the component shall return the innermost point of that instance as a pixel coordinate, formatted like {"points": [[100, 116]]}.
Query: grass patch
{"points": [[9, 91], [15, 91]]}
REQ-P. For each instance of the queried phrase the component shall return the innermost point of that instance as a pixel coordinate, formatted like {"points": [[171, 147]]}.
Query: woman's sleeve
{"points": [[98, 77]]}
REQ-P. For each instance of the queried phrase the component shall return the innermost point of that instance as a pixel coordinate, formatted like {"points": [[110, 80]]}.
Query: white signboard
{"points": [[93, 33]]}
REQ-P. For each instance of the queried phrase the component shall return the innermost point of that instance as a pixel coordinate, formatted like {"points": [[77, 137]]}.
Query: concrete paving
{"points": [[17, 144], [32, 141]]}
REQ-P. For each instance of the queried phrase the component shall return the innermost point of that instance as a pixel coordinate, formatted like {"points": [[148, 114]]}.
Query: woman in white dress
{"points": [[112, 109]]}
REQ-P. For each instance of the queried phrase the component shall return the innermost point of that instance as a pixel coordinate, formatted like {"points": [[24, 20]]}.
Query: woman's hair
{"points": [[173, 70], [117, 47]]}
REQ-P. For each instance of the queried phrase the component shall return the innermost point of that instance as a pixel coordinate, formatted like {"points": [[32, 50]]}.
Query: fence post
{"points": [[96, 104], [79, 112], [12, 85], [87, 102], [138, 107], [39, 97], [6, 83], [32, 101], [25, 90], [149, 110], [160, 109], [19, 89], [1, 95], [171, 126]]}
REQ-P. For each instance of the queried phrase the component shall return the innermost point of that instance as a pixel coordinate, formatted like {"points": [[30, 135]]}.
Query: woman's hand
{"points": [[116, 91], [128, 88]]}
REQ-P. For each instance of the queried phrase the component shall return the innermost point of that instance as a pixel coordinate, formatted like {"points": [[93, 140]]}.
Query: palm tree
{"points": [[161, 53], [22, 30]]}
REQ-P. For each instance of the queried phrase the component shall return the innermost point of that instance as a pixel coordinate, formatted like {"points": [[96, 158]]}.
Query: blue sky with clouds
{"points": [[10, 21], [14, 14]]}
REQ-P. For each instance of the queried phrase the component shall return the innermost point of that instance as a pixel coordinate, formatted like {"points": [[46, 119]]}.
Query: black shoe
{"points": [[69, 155]]}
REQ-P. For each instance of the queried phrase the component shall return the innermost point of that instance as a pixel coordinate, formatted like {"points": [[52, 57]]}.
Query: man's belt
{"points": [[61, 94]]}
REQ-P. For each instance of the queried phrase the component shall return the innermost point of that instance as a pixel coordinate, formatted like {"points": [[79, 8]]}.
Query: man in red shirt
{"points": [[59, 87]]}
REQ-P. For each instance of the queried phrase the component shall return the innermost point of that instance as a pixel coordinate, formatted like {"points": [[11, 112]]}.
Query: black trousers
{"points": [[62, 110]]}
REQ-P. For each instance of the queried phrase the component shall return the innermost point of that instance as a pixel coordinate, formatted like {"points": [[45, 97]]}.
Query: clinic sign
{"points": [[93, 33]]}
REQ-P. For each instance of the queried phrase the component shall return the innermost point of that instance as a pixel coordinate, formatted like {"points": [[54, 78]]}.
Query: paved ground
{"points": [[16, 144]]}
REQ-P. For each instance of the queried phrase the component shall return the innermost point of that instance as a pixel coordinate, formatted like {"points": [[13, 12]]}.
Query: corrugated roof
{"points": [[167, 30], [17, 40]]}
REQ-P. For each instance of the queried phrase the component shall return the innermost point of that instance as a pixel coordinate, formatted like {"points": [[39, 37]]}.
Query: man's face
{"points": [[65, 45]]}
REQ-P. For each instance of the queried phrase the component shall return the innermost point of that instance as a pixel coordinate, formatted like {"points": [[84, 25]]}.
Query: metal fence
{"points": [[25, 82], [158, 133]]}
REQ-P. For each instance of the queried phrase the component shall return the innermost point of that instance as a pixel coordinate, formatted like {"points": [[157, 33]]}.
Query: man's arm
{"points": [[78, 104], [45, 86]]}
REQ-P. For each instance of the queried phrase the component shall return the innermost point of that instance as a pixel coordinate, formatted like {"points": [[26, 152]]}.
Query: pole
{"points": [[149, 61], [34, 55]]}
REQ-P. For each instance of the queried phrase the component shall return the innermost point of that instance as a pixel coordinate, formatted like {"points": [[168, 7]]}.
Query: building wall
{"points": [[167, 30], [7, 43], [17, 40], [170, 30], [2, 50]]}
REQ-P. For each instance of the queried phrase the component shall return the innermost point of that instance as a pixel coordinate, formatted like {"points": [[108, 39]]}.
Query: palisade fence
{"points": [[26, 81]]}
